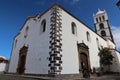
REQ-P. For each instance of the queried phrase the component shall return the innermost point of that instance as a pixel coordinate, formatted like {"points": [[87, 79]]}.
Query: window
{"points": [[74, 28], [88, 36], [100, 18], [96, 19], [97, 41], [101, 26], [43, 25], [103, 33], [103, 17], [15, 43], [26, 32]]}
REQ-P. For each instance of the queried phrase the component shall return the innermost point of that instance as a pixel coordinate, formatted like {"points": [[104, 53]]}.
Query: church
{"points": [[58, 43]]}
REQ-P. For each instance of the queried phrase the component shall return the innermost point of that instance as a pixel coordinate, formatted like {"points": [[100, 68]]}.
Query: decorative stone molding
{"points": [[83, 52], [55, 41], [22, 60]]}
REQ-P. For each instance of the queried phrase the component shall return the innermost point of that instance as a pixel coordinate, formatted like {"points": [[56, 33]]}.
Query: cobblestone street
{"points": [[107, 77], [17, 77], [22, 77]]}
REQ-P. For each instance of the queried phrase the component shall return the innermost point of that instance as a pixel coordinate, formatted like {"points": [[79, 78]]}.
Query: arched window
{"points": [[101, 26], [103, 17], [100, 18], [103, 33], [97, 41], [15, 43], [43, 25], [74, 28], [26, 32], [96, 19], [88, 36]]}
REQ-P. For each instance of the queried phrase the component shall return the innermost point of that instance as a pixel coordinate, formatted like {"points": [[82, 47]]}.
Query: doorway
{"points": [[84, 60], [22, 60]]}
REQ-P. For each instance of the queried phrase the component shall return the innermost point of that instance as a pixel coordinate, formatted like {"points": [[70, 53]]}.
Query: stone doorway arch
{"points": [[22, 60], [84, 60]]}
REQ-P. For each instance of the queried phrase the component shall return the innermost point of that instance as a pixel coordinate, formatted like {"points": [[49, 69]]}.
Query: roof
{"points": [[100, 12], [3, 59]]}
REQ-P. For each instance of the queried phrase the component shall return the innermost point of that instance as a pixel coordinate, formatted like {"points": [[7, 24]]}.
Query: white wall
{"points": [[38, 47], [115, 67], [70, 53], [2, 67], [100, 15]]}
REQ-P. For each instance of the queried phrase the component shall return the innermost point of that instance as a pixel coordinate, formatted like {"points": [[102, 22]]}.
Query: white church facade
{"points": [[56, 42]]}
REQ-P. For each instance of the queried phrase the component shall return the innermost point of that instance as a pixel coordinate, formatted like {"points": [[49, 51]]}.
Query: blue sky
{"points": [[13, 14]]}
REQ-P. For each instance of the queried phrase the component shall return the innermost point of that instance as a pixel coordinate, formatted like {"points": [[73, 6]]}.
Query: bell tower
{"points": [[102, 25]]}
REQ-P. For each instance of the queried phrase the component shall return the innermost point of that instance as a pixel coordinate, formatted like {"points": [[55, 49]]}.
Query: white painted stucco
{"points": [[38, 43], [115, 67], [3, 64], [70, 52], [2, 67]]}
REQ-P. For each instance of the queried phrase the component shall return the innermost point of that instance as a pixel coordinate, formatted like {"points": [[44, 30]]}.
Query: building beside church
{"points": [[3, 64], [57, 43]]}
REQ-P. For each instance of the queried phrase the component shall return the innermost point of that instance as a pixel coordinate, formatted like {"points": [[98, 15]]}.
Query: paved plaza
{"points": [[22, 77]]}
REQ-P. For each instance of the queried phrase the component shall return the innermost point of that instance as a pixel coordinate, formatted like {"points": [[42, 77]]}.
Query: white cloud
{"points": [[116, 35], [75, 1]]}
